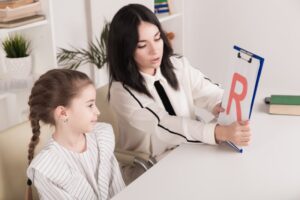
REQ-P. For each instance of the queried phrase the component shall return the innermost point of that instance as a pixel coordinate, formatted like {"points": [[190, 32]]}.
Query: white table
{"points": [[268, 169]]}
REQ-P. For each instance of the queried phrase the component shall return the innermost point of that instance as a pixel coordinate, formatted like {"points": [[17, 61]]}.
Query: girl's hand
{"points": [[238, 133], [217, 110]]}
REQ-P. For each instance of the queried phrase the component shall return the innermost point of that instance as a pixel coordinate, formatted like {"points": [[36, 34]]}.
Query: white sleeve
{"points": [[154, 120], [46, 189], [205, 93], [116, 183], [108, 162]]}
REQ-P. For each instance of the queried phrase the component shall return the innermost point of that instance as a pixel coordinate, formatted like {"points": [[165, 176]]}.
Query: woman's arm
{"points": [[205, 94], [151, 119]]}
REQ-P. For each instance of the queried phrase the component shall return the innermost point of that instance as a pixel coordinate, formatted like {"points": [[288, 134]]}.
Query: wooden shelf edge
{"points": [[168, 17], [27, 26]]}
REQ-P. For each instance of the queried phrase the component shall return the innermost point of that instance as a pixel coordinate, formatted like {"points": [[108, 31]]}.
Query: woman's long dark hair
{"points": [[122, 42]]}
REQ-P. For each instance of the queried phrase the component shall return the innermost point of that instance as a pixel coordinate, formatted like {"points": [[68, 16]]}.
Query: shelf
{"points": [[14, 93], [9, 84], [164, 18], [19, 28]]}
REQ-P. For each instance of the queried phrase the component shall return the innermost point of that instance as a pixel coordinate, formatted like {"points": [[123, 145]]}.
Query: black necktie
{"points": [[164, 98]]}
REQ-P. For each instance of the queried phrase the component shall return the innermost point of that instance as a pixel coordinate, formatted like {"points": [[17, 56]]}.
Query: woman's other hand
{"points": [[217, 110]]}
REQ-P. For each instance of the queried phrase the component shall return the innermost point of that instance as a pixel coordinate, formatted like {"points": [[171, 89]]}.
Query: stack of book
{"points": [[285, 104], [15, 13], [162, 7]]}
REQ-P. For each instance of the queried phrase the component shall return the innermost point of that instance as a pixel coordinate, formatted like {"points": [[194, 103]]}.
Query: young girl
{"points": [[78, 162], [155, 93]]}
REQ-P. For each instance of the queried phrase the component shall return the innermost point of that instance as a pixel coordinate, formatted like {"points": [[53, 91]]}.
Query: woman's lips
{"points": [[155, 60]]}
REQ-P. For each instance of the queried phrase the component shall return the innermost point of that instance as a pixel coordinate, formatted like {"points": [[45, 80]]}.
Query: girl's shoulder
{"points": [[104, 135], [103, 129], [48, 159], [46, 154]]}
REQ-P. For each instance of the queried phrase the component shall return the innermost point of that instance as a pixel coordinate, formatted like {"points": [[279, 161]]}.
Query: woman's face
{"points": [[149, 50]]}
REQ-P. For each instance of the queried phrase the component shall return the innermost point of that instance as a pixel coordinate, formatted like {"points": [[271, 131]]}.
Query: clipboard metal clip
{"points": [[245, 55]]}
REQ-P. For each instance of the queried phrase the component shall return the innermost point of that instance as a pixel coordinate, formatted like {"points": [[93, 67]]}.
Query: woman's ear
{"points": [[60, 113]]}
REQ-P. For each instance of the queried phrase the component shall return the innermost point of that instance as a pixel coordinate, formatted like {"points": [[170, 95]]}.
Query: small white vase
{"points": [[18, 67]]}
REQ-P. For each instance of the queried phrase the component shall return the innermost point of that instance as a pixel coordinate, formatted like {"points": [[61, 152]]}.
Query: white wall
{"points": [[105, 10], [270, 28], [82, 22], [70, 27]]}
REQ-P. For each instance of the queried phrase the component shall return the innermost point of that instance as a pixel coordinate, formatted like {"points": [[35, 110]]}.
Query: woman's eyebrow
{"points": [[156, 34]]}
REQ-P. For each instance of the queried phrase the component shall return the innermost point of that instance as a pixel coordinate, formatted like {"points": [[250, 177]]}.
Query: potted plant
{"points": [[95, 54], [17, 61]]}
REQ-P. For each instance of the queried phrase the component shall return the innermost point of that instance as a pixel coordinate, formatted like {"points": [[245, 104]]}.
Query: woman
{"points": [[155, 93]]}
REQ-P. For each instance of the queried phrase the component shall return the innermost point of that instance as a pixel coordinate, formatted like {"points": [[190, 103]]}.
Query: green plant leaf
{"points": [[16, 46], [95, 53]]}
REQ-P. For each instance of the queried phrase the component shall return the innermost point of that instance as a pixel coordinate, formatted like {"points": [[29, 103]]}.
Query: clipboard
{"points": [[241, 87]]}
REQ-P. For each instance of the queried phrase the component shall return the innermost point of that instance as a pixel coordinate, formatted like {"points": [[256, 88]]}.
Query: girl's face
{"points": [[82, 111], [149, 50]]}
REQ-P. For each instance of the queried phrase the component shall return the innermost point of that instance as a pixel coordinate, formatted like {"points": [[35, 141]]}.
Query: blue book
{"points": [[161, 6]]}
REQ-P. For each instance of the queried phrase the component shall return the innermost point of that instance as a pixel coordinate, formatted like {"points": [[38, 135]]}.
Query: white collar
{"points": [[150, 79]]}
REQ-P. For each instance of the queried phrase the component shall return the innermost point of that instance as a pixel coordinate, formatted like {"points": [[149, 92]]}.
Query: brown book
{"points": [[21, 22], [284, 109], [19, 16], [20, 11], [14, 3]]}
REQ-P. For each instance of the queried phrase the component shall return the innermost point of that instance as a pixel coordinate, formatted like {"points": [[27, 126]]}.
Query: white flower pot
{"points": [[18, 67]]}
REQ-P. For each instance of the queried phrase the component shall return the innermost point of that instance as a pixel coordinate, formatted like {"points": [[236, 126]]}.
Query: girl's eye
{"points": [[91, 105]]}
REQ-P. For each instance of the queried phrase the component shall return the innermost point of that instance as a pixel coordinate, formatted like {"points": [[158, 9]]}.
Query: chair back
{"points": [[106, 113], [13, 158]]}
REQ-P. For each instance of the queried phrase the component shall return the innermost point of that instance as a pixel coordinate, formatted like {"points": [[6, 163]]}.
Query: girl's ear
{"points": [[60, 113]]}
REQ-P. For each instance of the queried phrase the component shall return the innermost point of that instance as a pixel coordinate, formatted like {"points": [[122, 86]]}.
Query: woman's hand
{"points": [[238, 133], [217, 110]]}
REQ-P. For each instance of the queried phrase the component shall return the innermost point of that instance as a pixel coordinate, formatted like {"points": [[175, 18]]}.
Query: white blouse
{"points": [[144, 123], [59, 173]]}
